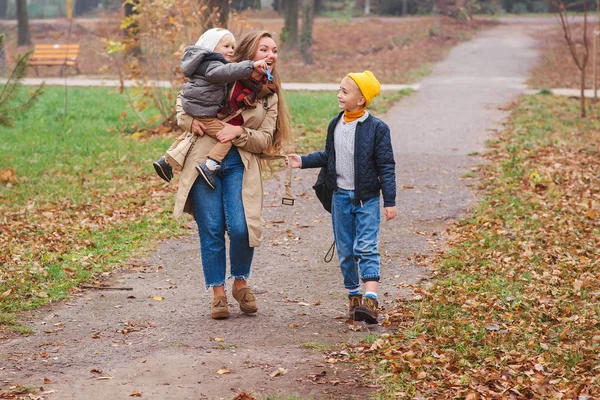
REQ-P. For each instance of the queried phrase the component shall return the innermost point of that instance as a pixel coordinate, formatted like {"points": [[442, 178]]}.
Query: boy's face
{"points": [[226, 47], [349, 97]]}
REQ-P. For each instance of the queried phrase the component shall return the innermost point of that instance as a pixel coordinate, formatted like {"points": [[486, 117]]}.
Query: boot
{"points": [[367, 311], [354, 301]]}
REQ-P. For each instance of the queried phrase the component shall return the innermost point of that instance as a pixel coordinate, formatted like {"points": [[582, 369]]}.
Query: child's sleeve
{"points": [[318, 159], [217, 72], [386, 165]]}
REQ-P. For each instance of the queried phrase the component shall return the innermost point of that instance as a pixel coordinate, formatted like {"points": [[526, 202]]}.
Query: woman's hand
{"points": [[390, 213], [294, 160], [198, 127], [229, 132]]}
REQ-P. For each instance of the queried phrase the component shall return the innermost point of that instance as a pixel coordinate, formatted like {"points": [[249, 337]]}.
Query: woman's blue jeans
{"points": [[356, 233], [219, 210]]}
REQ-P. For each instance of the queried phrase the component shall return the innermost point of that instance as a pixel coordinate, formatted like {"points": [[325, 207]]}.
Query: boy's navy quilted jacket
{"points": [[374, 165]]}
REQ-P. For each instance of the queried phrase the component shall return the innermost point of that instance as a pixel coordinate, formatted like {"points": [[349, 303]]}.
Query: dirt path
{"points": [[171, 349]]}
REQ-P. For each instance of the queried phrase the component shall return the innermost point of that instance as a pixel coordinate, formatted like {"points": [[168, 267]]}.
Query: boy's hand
{"points": [[294, 160], [390, 213], [261, 66]]}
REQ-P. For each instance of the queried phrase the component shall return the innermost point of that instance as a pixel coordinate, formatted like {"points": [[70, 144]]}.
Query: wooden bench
{"points": [[64, 55]]}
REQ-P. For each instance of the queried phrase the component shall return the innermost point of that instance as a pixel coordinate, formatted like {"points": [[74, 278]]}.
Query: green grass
{"points": [[317, 346], [86, 197]]}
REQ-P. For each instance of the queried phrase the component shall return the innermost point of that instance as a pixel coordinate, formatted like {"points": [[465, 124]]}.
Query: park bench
{"points": [[63, 55]]}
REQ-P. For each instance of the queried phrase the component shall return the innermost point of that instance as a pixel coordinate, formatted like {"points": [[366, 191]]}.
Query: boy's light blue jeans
{"points": [[217, 210], [356, 233]]}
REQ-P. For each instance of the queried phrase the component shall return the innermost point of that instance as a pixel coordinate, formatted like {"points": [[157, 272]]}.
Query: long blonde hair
{"points": [[246, 49]]}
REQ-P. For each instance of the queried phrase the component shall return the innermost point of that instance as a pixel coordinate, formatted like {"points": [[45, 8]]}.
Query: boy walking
{"points": [[360, 166]]}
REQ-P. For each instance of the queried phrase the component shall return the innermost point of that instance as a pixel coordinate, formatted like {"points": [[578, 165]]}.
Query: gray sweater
{"points": [[208, 74]]}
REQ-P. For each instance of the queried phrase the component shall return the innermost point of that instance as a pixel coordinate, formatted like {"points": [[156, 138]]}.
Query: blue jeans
{"points": [[219, 210], [356, 233]]}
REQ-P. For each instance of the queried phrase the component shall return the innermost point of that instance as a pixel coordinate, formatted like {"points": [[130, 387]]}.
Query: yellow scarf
{"points": [[350, 116]]}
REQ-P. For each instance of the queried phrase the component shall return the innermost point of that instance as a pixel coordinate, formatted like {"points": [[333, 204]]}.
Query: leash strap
{"points": [[329, 255], [288, 196]]}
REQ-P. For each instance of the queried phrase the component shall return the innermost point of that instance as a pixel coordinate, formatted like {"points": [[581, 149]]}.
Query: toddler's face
{"points": [[226, 47], [349, 97]]}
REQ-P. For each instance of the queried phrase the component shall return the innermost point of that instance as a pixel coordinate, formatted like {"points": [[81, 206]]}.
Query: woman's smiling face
{"points": [[267, 50]]}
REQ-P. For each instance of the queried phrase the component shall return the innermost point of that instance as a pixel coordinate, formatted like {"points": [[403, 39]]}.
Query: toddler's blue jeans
{"points": [[219, 210], [356, 233]]}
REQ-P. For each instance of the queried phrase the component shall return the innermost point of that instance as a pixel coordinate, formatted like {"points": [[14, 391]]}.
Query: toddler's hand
{"points": [[261, 66], [294, 160], [390, 213]]}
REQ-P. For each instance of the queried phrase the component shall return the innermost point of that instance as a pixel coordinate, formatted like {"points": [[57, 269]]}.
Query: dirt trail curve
{"points": [[171, 349]]}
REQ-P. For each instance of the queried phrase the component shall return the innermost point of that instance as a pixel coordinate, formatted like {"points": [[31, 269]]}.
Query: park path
{"points": [[116, 344]]}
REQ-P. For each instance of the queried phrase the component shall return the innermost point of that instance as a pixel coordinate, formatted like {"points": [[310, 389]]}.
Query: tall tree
{"points": [[580, 57], [290, 28], [308, 12], [24, 38]]}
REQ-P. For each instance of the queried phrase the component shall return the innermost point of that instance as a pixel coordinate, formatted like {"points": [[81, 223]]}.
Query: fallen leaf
{"points": [[104, 378], [278, 372], [158, 298], [135, 394], [223, 371]]}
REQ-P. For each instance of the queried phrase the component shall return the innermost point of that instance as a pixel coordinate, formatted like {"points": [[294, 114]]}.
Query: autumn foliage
{"points": [[513, 312]]}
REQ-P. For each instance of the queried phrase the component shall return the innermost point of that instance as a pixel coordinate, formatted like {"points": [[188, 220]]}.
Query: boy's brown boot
{"points": [[354, 301], [367, 311], [246, 299], [219, 308]]}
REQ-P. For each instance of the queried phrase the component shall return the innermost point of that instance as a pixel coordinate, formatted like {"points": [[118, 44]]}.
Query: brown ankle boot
{"points": [[354, 301], [219, 308], [246, 299], [367, 311]]}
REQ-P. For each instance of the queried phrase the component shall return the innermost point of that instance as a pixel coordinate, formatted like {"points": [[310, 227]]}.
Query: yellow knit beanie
{"points": [[367, 83]]}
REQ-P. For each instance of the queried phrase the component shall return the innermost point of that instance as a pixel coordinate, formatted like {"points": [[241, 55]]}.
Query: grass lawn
{"points": [[78, 194], [514, 310]]}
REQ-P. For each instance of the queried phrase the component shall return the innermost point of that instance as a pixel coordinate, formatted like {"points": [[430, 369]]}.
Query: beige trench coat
{"points": [[259, 127]]}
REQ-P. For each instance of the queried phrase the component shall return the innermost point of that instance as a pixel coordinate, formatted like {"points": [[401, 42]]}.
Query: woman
{"points": [[235, 205]]}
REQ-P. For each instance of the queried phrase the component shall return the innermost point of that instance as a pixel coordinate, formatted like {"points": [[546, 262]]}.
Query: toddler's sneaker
{"points": [[163, 169], [209, 175], [367, 311], [354, 301]]}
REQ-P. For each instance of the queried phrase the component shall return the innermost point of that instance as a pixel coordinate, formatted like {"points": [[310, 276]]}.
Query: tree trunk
{"points": [[222, 13], [132, 32], [3, 6], [583, 112], [23, 24], [308, 12], [367, 7], [290, 29], [216, 15], [404, 7]]}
